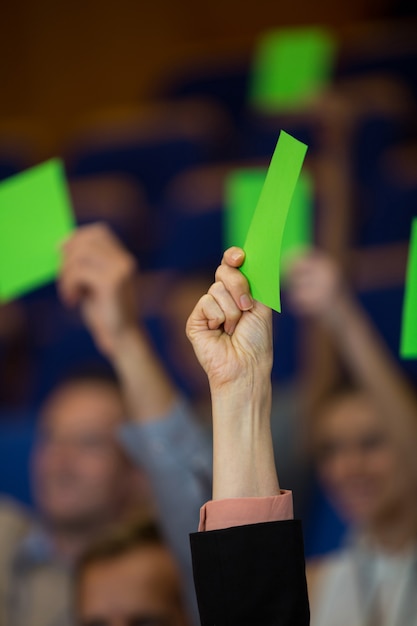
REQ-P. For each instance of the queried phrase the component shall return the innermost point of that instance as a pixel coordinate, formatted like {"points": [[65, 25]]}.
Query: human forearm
{"points": [[318, 290], [371, 364], [147, 389], [99, 275], [243, 458]]}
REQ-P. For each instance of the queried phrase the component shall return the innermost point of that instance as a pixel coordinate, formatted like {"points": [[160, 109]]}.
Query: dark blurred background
{"points": [[147, 103], [60, 61]]}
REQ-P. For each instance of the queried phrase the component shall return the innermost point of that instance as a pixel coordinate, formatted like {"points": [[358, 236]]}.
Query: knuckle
{"points": [[101, 228], [235, 314], [223, 274], [218, 273], [129, 265], [215, 288]]}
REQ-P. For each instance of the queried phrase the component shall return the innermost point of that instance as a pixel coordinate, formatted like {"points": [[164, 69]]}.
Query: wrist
{"points": [[249, 396]]}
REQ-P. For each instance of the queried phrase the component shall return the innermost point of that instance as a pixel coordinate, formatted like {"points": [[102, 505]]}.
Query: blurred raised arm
{"points": [[317, 289], [99, 274], [161, 433]]}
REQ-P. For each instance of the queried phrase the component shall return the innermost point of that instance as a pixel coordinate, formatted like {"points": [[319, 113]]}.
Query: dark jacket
{"points": [[251, 575]]}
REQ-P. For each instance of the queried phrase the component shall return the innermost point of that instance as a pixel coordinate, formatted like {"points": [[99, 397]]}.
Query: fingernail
{"points": [[245, 302], [236, 255]]}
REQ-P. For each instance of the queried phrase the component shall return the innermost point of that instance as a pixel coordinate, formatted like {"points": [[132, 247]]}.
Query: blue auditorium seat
{"points": [[16, 440]]}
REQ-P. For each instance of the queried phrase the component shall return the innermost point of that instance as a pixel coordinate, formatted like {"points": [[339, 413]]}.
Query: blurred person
{"points": [[82, 478], [364, 439], [128, 577], [248, 556]]}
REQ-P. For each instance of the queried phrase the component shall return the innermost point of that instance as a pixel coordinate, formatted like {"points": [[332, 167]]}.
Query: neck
{"points": [[396, 531], [70, 540], [69, 544]]}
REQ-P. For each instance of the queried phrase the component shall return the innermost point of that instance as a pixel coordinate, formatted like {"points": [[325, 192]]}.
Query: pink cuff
{"points": [[217, 514]]}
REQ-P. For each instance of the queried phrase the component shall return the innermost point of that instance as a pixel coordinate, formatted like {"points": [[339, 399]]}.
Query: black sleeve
{"points": [[251, 575]]}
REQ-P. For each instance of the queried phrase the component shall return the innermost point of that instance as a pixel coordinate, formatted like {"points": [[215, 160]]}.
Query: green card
{"points": [[408, 341], [299, 226], [264, 238], [35, 217], [242, 191], [289, 66]]}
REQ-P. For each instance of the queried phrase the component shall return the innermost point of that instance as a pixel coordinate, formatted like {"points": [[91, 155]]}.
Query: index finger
{"points": [[233, 257], [233, 280]]}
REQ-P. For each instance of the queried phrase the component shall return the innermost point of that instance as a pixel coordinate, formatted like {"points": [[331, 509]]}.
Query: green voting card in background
{"points": [[35, 217], [408, 342], [242, 191], [241, 194], [289, 66], [299, 226], [264, 239]]}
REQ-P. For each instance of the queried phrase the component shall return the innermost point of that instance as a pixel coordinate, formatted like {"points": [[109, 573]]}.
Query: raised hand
{"points": [[98, 275], [232, 338], [315, 285], [231, 333]]}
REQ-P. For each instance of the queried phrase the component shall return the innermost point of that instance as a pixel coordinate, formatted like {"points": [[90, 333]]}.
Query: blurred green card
{"points": [[264, 239], [299, 227], [35, 217], [290, 65], [408, 342], [242, 190]]}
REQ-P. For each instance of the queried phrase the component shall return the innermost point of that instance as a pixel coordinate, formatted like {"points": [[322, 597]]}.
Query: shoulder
{"points": [[15, 520], [314, 571], [320, 568]]}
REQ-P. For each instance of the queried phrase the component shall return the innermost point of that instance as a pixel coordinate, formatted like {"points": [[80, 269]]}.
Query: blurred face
{"points": [[140, 588], [79, 471], [358, 463]]}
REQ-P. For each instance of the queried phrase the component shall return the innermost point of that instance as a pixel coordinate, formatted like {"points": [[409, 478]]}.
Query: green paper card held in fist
{"points": [[35, 217], [264, 239], [298, 231], [408, 346], [242, 191]]}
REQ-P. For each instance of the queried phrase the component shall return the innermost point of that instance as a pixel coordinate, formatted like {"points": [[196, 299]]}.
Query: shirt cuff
{"points": [[217, 514]]}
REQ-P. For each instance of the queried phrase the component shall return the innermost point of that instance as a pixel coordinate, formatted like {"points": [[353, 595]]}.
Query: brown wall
{"points": [[60, 60]]}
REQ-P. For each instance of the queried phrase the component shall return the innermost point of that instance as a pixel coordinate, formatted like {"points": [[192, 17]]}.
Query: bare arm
{"points": [[99, 275], [317, 289], [232, 338], [246, 571]]}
